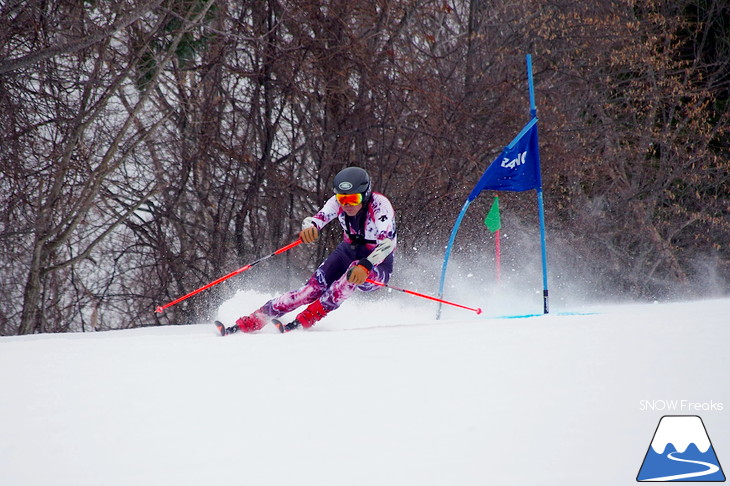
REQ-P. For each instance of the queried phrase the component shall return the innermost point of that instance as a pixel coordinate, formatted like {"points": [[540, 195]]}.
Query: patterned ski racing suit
{"points": [[371, 235]]}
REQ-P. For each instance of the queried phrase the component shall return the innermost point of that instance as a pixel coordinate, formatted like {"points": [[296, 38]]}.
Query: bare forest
{"points": [[148, 147]]}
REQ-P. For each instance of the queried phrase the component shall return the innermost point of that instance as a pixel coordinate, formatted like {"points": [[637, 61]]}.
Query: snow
{"points": [[680, 432], [400, 398]]}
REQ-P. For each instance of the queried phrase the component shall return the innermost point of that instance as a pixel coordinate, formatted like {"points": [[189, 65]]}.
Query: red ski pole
{"points": [[477, 310], [235, 272]]}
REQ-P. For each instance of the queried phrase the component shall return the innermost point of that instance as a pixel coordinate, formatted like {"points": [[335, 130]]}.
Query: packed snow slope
{"points": [[379, 393]]}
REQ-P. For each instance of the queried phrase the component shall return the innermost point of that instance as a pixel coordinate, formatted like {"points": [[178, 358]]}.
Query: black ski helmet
{"points": [[352, 180]]}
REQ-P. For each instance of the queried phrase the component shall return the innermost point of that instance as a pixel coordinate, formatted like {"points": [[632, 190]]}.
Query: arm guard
{"points": [[378, 254]]}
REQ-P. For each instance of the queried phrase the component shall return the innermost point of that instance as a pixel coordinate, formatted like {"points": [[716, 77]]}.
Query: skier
{"points": [[369, 238]]}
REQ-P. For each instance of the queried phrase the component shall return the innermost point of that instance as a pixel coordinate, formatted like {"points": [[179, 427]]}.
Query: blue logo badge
{"points": [[681, 451]]}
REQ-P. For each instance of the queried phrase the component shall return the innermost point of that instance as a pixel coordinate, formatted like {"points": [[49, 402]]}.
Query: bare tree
{"points": [[85, 144], [644, 170], [148, 147]]}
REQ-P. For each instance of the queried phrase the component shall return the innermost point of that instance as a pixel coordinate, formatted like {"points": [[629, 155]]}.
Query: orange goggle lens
{"points": [[349, 199]]}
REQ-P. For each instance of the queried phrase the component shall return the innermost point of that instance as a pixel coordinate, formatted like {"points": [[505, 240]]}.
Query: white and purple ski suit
{"points": [[369, 239]]}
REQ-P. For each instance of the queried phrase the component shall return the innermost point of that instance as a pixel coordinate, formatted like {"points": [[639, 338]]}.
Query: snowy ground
{"points": [[401, 399]]}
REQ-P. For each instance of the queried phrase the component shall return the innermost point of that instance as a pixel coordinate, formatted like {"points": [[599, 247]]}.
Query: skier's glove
{"points": [[309, 233], [357, 275]]}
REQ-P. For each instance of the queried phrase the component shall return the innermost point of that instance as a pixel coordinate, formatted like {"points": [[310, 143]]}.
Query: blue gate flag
{"points": [[517, 168]]}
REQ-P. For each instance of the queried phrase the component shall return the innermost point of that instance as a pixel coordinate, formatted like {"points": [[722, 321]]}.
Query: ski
{"points": [[221, 327], [223, 330], [285, 327], [279, 325]]}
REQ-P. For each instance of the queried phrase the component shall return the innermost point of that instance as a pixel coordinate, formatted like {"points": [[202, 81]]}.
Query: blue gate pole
{"points": [[541, 213], [540, 205], [447, 255]]}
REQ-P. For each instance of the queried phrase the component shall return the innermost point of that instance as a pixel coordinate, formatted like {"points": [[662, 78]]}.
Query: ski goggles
{"points": [[349, 199]]}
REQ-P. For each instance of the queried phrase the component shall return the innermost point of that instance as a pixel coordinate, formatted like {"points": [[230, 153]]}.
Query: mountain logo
{"points": [[681, 451]]}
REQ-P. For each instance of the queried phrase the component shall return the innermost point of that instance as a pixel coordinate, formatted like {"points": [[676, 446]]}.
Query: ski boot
{"points": [[251, 323], [254, 322]]}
